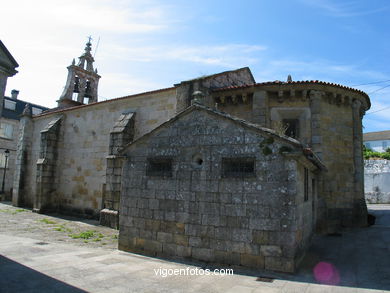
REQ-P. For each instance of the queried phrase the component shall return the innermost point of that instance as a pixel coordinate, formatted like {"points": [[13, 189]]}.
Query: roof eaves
{"points": [[221, 114], [9, 55], [106, 101]]}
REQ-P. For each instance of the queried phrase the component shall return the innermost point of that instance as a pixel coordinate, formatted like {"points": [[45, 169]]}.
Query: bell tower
{"points": [[82, 82]]}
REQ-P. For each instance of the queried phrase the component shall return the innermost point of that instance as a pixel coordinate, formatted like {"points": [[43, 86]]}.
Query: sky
{"points": [[142, 45]]}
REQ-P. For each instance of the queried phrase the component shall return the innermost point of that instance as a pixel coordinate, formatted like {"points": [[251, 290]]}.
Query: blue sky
{"points": [[150, 44]]}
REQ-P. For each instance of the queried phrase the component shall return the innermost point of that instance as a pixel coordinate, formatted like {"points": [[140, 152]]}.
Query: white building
{"points": [[378, 141]]}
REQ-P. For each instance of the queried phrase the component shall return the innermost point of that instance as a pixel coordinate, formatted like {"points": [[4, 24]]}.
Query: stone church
{"points": [[219, 168]]}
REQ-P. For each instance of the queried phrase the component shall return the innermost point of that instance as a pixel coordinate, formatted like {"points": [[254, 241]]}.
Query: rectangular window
{"points": [[292, 127], [10, 105], [384, 145], [306, 185], [6, 130], [159, 167], [36, 111], [2, 160], [238, 167]]}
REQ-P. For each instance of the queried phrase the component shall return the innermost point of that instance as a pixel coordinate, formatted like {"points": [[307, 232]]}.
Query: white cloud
{"points": [[343, 8], [226, 55], [94, 15]]}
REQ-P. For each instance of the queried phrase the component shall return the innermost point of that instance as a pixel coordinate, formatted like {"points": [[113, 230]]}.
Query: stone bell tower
{"points": [[82, 83]]}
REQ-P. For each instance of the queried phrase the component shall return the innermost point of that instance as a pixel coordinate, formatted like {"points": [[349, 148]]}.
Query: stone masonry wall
{"points": [[11, 145], [377, 181], [337, 151], [84, 145], [46, 180], [199, 214]]}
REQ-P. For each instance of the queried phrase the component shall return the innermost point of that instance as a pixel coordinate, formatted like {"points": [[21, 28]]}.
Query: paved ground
{"points": [[40, 253]]}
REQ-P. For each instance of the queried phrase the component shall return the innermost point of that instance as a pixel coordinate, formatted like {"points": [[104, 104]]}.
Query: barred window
{"points": [[10, 105], [6, 130], [238, 167], [292, 127], [159, 167]]}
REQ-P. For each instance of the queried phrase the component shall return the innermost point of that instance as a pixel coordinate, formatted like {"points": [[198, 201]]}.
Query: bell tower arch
{"points": [[82, 82]]}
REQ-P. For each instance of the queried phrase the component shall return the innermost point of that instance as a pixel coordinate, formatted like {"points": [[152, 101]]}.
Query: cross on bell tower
{"points": [[82, 81]]}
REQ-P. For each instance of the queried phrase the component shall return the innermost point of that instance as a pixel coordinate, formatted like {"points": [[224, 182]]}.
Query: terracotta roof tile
{"points": [[278, 82]]}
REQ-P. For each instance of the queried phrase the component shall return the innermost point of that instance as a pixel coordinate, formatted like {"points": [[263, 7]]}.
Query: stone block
{"points": [[172, 227], [270, 250], [152, 225], [252, 261], [145, 234], [180, 239], [183, 251], [218, 244], [154, 204], [165, 237], [237, 210], [237, 222], [203, 254], [264, 224], [223, 233], [257, 211], [169, 249], [213, 220], [238, 234], [227, 257], [195, 241], [281, 264], [260, 237], [182, 217]]}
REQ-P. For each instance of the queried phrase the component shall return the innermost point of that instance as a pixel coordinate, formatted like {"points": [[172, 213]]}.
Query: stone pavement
{"points": [[31, 261]]}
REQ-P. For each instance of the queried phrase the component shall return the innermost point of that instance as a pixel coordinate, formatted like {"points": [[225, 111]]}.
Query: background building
{"points": [[9, 133], [378, 141], [7, 69]]}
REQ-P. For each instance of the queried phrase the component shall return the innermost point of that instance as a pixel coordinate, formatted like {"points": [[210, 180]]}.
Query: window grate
{"points": [[238, 167], [292, 127], [159, 167]]}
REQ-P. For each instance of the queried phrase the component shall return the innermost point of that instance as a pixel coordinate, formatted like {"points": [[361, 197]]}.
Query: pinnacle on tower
{"points": [[82, 82]]}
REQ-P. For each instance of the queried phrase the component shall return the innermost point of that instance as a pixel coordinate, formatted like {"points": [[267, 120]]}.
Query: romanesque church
{"points": [[219, 168]]}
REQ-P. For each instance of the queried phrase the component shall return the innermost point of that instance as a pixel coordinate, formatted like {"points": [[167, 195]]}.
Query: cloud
{"points": [[343, 8], [321, 69], [226, 55], [93, 15]]}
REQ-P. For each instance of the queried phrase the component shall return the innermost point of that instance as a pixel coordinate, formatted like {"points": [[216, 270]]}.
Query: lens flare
{"points": [[326, 273]]}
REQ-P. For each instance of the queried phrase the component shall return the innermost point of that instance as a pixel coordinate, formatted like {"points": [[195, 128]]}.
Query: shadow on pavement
{"points": [[16, 277], [358, 258]]}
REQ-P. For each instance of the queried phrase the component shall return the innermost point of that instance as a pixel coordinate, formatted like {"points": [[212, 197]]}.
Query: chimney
{"points": [[14, 94]]}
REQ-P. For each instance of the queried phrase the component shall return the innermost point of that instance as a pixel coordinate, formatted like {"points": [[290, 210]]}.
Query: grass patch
{"points": [[47, 221], [62, 228], [84, 235], [13, 212]]}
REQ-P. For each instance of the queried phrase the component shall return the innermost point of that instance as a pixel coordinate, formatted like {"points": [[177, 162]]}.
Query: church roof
{"points": [[278, 82], [377, 135], [243, 69], [19, 108], [268, 132], [302, 82]]}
